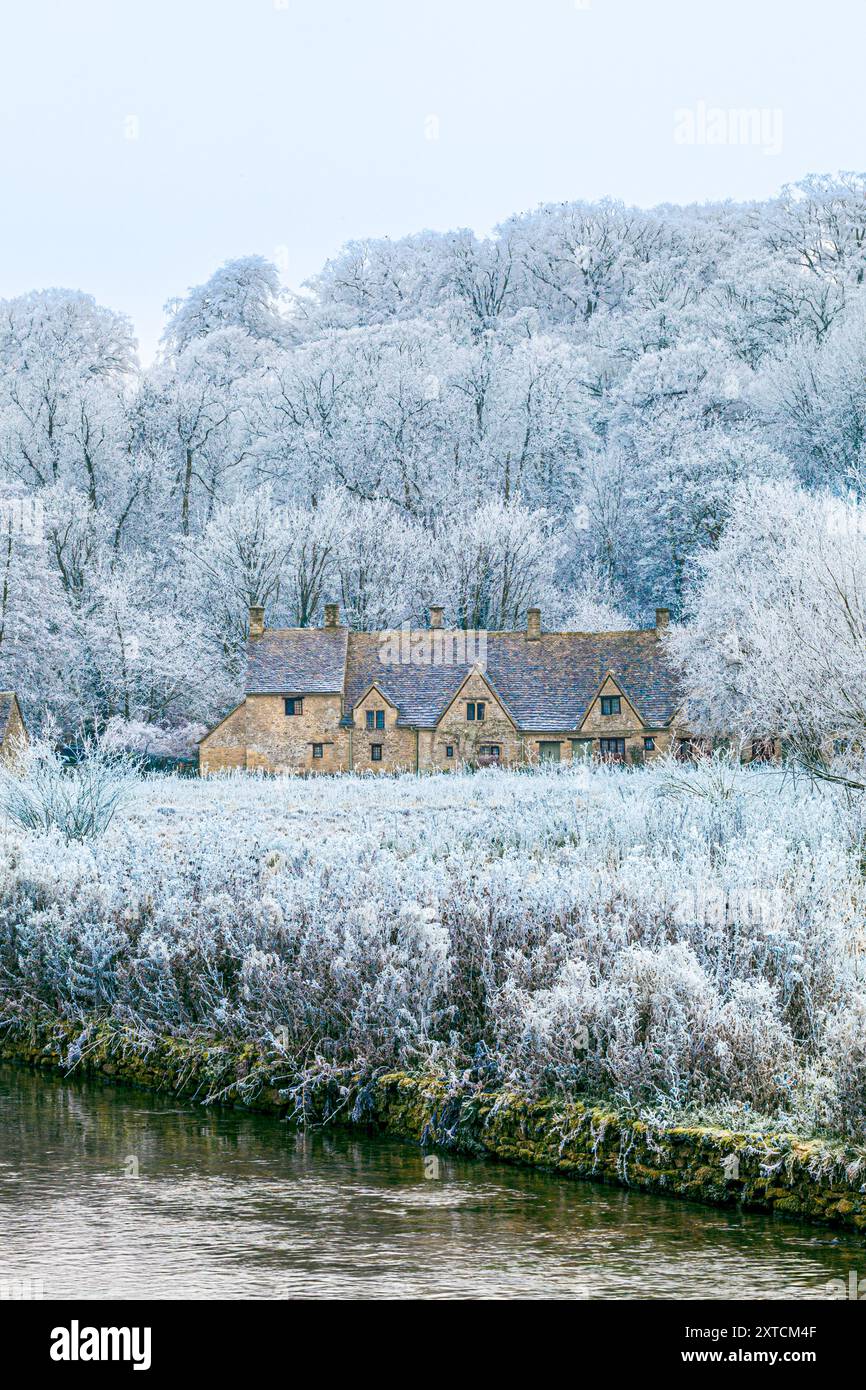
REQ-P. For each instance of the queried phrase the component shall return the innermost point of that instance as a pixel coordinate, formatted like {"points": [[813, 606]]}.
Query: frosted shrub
{"points": [[717, 778], [843, 1095], [42, 792], [578, 930], [656, 1028]]}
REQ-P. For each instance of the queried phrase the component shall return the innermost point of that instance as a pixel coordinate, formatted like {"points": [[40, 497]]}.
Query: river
{"points": [[107, 1192]]}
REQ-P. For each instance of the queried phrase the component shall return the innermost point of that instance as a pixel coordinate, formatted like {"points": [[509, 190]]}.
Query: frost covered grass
{"points": [[686, 943]]}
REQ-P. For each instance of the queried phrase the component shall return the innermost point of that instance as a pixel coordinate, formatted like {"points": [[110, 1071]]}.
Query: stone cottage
{"points": [[330, 700]]}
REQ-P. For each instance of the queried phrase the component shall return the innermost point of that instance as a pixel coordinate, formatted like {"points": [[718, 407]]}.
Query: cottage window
{"points": [[475, 711], [611, 704], [375, 719], [449, 750], [613, 749], [489, 750], [318, 750], [376, 752], [294, 704], [649, 744]]}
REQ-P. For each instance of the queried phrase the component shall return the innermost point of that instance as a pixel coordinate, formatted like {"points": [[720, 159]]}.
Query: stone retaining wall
{"points": [[812, 1180]]}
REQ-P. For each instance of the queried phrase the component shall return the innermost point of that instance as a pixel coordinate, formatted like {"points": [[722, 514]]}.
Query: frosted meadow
{"points": [[681, 939]]}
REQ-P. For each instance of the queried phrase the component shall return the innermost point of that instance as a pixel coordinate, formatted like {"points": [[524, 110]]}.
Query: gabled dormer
{"points": [[610, 710], [476, 702], [375, 712]]}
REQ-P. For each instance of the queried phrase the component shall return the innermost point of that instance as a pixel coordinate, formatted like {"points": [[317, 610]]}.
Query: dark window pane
{"points": [[380, 719], [376, 752], [318, 750], [369, 719]]}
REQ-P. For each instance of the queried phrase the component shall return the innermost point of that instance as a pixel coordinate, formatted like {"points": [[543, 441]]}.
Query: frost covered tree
{"points": [[775, 642], [192, 421], [243, 294], [65, 364], [241, 558], [382, 565], [39, 648], [560, 414], [815, 401], [493, 563], [592, 605]]}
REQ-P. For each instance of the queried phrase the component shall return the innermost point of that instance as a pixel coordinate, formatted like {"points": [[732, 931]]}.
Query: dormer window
{"points": [[294, 704], [611, 704], [475, 711], [375, 719]]}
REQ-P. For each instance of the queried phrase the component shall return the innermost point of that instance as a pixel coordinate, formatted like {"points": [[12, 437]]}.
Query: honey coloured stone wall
{"points": [[280, 742], [225, 747], [469, 737], [398, 746], [260, 736], [626, 725]]}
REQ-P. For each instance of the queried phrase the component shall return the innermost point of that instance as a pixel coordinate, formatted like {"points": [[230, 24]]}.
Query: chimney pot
{"points": [[257, 620], [663, 617], [533, 623], [436, 612], [332, 615]]}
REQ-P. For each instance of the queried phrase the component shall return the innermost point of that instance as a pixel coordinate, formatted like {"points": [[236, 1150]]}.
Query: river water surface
{"points": [[113, 1193]]}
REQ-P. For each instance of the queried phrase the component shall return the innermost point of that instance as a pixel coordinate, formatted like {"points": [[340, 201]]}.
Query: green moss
{"points": [[808, 1179]]}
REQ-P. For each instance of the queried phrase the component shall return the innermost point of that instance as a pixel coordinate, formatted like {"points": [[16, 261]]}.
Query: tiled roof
{"points": [[546, 684], [297, 660], [420, 693]]}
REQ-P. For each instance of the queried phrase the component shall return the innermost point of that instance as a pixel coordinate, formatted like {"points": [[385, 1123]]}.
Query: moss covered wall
{"points": [[808, 1179]]}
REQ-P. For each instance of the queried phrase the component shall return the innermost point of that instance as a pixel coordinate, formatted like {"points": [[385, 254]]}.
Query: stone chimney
{"points": [[332, 615], [436, 615], [257, 620], [663, 617], [533, 624]]}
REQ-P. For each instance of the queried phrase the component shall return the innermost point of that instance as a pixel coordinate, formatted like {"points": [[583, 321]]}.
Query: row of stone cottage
{"points": [[330, 700]]}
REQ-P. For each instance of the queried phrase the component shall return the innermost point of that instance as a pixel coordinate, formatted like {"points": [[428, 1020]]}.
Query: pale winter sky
{"points": [[143, 144]]}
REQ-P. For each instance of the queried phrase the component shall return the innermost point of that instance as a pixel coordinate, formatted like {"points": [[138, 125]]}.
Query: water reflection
{"points": [[112, 1193]]}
